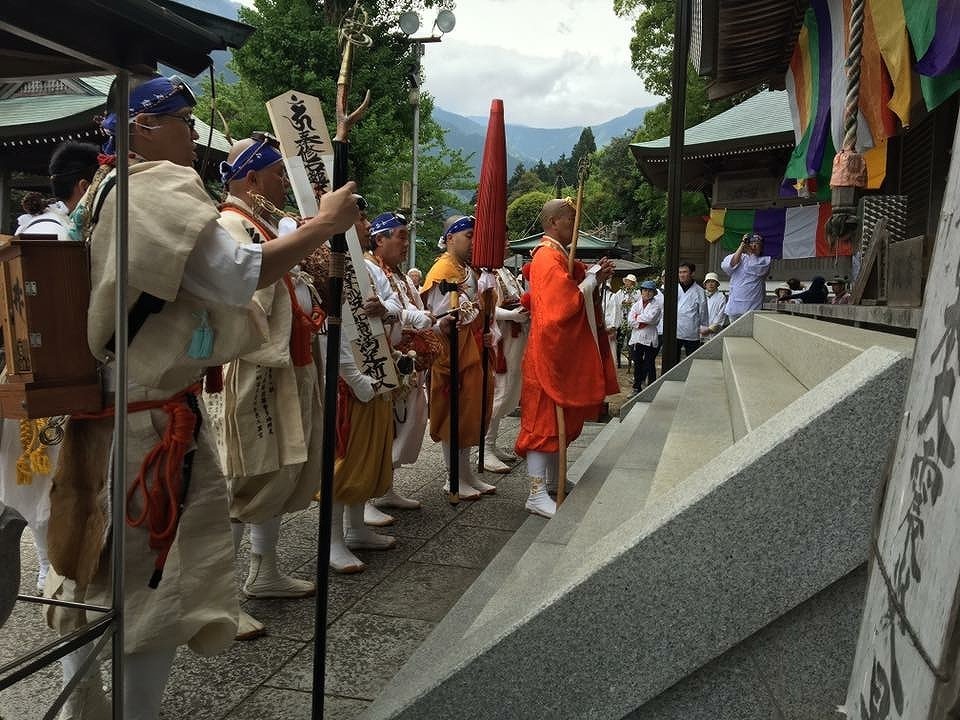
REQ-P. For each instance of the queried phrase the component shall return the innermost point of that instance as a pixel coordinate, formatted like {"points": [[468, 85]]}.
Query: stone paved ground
{"points": [[376, 618]]}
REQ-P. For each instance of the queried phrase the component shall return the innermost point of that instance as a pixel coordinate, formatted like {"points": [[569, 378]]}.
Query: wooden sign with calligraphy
{"points": [[298, 122], [907, 649]]}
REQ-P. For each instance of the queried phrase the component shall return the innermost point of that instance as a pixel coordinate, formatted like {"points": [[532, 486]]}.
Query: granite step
{"points": [[746, 539], [758, 386], [701, 428], [812, 350], [624, 493], [451, 630], [535, 567]]}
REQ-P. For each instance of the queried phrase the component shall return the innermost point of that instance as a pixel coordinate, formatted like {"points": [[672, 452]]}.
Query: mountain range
{"points": [[525, 144]]}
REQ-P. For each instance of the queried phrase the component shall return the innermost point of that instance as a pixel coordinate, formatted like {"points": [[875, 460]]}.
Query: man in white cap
{"points": [[626, 296], [716, 307], [612, 317]]}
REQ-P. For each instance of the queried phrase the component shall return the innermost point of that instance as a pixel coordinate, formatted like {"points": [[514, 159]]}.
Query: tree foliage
{"points": [[527, 182], [296, 47], [651, 52], [523, 214]]}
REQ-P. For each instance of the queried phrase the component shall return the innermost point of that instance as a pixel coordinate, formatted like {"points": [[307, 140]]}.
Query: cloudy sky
{"points": [[555, 63]]}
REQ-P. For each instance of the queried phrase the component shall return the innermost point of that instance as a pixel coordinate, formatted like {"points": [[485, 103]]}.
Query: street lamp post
{"points": [[409, 24]]}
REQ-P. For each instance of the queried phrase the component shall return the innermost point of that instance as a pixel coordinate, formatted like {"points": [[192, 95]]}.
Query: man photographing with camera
{"points": [[748, 268]]}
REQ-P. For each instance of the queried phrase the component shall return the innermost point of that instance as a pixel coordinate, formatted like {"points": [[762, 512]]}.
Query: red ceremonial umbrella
{"points": [[490, 233]]}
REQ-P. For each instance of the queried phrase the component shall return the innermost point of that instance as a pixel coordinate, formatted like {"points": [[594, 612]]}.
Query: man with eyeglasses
{"points": [[190, 287], [268, 418], [748, 268], [453, 266]]}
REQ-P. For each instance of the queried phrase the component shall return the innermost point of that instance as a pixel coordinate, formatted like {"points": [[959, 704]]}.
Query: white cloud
{"points": [[555, 64]]}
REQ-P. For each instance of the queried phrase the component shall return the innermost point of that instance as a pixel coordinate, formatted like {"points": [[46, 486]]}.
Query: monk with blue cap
{"points": [[453, 266], [190, 287]]}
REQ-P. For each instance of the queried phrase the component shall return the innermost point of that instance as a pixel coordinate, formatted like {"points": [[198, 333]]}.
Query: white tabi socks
{"points": [[494, 459], [341, 559], [265, 579], [248, 627], [393, 499], [373, 517], [145, 677], [540, 466], [357, 536], [492, 463], [471, 487]]}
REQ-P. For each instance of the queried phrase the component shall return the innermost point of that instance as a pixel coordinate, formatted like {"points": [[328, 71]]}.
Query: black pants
{"points": [[688, 345], [643, 365], [621, 338]]}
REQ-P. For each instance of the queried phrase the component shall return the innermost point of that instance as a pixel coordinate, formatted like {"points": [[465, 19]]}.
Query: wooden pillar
{"points": [[5, 219]]}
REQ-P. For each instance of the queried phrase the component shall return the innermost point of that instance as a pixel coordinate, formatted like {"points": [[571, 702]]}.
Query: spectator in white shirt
{"points": [[691, 310], [716, 307], [642, 319]]}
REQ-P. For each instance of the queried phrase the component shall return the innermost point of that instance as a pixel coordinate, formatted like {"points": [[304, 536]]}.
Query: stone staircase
{"points": [[708, 563]]}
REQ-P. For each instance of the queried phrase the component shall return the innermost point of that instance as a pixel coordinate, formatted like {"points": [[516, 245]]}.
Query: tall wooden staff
{"points": [[490, 239], [582, 171], [351, 33]]}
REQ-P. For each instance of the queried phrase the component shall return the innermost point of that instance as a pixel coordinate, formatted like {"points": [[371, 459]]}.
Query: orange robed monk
{"points": [[565, 363]]}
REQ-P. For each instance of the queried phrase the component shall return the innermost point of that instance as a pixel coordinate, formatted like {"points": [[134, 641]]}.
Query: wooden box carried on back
{"points": [[44, 293]]}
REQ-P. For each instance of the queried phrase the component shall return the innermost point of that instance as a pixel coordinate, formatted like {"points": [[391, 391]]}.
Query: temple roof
{"points": [[759, 125]]}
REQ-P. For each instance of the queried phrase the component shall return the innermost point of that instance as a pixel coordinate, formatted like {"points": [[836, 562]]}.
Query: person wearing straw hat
{"points": [[191, 288], [626, 296], [841, 296], [716, 307]]}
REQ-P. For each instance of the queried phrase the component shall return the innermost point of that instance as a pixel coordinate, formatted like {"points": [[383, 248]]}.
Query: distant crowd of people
{"points": [[633, 314]]}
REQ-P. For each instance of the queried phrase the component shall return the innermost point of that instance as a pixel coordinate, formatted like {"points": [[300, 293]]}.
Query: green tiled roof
{"points": [[17, 113], [766, 113], [100, 83], [584, 242], [31, 110]]}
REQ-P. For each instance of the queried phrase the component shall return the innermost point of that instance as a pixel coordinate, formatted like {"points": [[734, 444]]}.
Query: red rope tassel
{"points": [[164, 473]]}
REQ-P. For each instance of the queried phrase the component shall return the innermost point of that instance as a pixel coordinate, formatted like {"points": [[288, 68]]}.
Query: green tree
{"points": [[543, 172], [585, 147], [240, 108], [518, 172], [528, 182], [523, 214], [296, 47], [651, 52]]}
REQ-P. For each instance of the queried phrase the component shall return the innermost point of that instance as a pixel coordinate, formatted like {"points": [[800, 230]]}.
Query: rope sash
{"points": [[164, 477]]}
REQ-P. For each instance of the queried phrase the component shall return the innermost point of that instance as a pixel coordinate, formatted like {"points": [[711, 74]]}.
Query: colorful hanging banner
{"points": [[791, 233]]}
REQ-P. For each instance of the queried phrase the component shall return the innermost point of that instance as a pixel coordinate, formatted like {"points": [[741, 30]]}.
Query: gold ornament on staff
{"points": [[583, 170], [351, 32]]}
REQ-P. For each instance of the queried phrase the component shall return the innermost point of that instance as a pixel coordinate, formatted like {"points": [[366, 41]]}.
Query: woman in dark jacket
{"points": [[817, 293]]}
